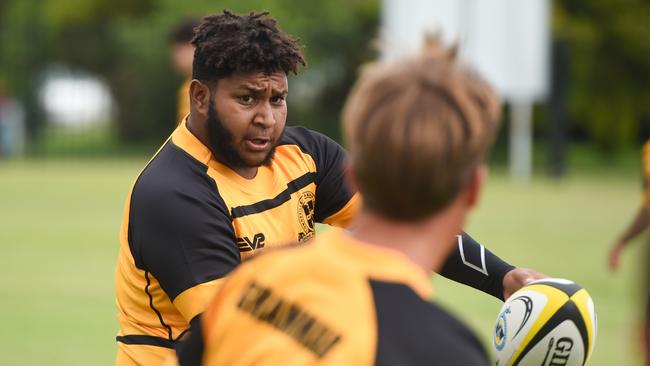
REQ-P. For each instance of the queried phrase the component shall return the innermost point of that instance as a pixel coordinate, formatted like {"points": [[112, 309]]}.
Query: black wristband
{"points": [[473, 265]]}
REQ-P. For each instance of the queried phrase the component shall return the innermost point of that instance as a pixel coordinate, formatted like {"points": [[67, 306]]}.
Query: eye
{"points": [[246, 99], [278, 99]]}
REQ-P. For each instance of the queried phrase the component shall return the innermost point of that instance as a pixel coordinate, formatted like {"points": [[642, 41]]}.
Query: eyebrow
{"points": [[256, 90]]}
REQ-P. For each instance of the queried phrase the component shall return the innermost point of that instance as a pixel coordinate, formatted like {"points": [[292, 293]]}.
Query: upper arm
{"points": [[185, 239], [344, 216], [334, 197], [646, 174]]}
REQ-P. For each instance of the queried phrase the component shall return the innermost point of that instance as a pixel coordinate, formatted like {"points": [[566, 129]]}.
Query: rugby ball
{"points": [[549, 322]]}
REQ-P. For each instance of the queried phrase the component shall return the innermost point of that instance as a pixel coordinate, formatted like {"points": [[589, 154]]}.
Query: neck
{"points": [[244, 172], [200, 130], [426, 243]]}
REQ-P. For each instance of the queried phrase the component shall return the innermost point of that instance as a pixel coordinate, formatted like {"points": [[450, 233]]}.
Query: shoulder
{"points": [[287, 268], [309, 141], [170, 178], [645, 151], [172, 195], [414, 331]]}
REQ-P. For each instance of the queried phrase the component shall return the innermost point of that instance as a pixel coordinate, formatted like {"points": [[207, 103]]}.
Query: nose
{"points": [[264, 115]]}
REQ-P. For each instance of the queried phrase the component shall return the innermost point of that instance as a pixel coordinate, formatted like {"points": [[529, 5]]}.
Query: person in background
{"points": [[182, 55], [642, 219], [12, 124], [638, 225]]}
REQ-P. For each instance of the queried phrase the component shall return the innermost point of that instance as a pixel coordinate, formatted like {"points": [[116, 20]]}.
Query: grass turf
{"points": [[58, 236]]}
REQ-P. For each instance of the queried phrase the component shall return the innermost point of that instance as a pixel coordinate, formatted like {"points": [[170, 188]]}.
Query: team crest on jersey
{"points": [[306, 205]]}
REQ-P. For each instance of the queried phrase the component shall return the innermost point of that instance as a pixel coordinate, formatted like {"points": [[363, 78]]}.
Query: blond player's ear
{"points": [[350, 178], [475, 185], [199, 97]]}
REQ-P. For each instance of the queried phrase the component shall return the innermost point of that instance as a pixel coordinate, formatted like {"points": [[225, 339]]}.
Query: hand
{"points": [[518, 278], [615, 256]]}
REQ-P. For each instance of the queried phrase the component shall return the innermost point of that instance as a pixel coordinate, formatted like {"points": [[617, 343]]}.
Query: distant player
{"points": [[641, 220], [638, 225], [181, 53], [418, 131]]}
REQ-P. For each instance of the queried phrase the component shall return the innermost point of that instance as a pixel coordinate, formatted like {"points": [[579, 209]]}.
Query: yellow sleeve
{"points": [[195, 300], [344, 217]]}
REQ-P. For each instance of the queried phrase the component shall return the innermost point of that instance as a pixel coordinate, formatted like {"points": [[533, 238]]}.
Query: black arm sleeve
{"points": [[475, 266], [190, 350]]}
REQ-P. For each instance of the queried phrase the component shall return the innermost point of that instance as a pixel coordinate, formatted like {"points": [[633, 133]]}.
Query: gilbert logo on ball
{"points": [[550, 322]]}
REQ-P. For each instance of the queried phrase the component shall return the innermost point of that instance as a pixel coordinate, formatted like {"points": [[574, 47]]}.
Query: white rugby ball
{"points": [[549, 322]]}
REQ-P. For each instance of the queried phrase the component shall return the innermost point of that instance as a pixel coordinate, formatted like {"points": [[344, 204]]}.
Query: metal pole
{"points": [[520, 149]]}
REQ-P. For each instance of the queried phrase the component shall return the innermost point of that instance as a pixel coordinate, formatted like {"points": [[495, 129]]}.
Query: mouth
{"points": [[257, 143]]}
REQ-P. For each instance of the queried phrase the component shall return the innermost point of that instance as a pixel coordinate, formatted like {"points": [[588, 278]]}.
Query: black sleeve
{"points": [[179, 227], [332, 192], [413, 331], [190, 350], [475, 266]]}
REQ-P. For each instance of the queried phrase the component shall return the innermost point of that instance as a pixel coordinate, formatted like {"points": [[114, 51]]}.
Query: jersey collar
{"points": [[381, 264], [263, 182]]}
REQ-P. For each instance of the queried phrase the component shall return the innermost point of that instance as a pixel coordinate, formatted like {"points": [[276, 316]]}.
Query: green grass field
{"points": [[58, 235]]}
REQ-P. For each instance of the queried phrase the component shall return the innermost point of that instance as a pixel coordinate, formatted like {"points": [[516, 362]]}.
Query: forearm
{"points": [[473, 265], [640, 223]]}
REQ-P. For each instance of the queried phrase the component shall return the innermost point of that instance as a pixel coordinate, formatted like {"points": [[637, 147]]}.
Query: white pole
{"points": [[521, 140]]}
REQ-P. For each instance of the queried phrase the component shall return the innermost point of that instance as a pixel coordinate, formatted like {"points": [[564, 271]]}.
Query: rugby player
{"points": [[231, 181], [417, 131]]}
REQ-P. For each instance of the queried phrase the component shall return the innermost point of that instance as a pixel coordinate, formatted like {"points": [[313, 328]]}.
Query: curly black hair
{"points": [[228, 43]]}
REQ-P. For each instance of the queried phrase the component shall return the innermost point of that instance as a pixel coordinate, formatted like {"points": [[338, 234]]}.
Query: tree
{"points": [[610, 67]]}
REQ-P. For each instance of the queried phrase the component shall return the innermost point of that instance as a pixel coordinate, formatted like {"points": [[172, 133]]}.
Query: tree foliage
{"points": [[127, 43], [609, 94]]}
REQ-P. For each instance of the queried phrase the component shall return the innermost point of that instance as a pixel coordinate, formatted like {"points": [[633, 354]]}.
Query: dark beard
{"points": [[221, 141]]}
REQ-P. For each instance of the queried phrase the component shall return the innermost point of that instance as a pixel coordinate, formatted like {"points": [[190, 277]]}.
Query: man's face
{"points": [[246, 118], [182, 56]]}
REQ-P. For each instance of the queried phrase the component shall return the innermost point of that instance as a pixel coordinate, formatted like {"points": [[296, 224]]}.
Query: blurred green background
{"points": [[62, 194]]}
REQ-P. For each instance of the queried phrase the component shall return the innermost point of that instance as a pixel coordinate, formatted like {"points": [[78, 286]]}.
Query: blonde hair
{"points": [[417, 129]]}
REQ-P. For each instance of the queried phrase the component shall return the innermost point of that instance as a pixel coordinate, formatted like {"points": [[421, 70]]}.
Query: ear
{"points": [[350, 178], [199, 97], [473, 189]]}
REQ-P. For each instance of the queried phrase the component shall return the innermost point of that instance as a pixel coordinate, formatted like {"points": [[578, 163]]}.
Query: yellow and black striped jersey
{"points": [[335, 301], [189, 220]]}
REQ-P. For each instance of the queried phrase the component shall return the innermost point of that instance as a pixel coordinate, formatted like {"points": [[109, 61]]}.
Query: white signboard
{"points": [[507, 41]]}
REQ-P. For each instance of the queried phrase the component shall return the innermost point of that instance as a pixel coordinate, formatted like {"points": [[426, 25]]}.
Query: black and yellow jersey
{"points": [[189, 220], [335, 301]]}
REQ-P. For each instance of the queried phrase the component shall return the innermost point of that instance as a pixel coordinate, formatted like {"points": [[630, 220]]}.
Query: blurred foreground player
{"points": [[418, 131]]}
